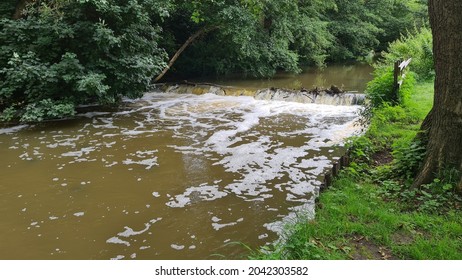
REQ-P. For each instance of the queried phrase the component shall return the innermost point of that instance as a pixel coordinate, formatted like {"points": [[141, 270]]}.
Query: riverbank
{"points": [[367, 215]]}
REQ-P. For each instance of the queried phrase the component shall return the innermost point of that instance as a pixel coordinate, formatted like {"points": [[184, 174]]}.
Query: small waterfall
{"points": [[327, 97], [318, 97]]}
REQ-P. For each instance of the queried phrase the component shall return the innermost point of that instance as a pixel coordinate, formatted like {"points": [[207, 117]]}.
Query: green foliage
{"points": [[47, 109], [74, 52], [7, 8], [395, 128], [408, 159], [258, 37], [361, 148], [396, 17], [255, 37], [416, 45], [407, 88], [381, 91], [438, 197], [360, 27], [355, 29]]}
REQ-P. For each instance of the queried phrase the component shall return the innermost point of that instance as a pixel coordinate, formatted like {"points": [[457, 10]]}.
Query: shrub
{"points": [[439, 197], [408, 159], [65, 53], [416, 45], [380, 89]]}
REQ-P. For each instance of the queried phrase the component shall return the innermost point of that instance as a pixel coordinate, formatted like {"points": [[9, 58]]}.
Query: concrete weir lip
{"points": [[330, 96]]}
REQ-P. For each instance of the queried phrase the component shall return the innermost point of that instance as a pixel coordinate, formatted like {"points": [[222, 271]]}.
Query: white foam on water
{"points": [[303, 212], [79, 214], [118, 257], [149, 163], [13, 129], [145, 158], [315, 165], [263, 236], [215, 219], [196, 194], [231, 128], [78, 154], [130, 232], [177, 247], [116, 240], [93, 114], [217, 226]]}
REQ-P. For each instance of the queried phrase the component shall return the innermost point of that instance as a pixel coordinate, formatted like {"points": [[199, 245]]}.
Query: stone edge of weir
{"points": [[330, 96]]}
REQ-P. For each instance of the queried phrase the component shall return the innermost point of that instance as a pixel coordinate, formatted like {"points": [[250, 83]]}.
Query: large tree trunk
{"points": [[444, 123]]}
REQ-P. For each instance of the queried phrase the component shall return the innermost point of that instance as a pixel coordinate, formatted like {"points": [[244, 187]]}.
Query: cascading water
{"points": [[302, 96]]}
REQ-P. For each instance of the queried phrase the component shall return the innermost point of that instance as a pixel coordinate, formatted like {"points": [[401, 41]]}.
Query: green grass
{"points": [[355, 220], [397, 124]]}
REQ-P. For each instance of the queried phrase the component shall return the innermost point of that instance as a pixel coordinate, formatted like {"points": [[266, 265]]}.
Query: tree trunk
{"points": [[444, 123], [183, 47]]}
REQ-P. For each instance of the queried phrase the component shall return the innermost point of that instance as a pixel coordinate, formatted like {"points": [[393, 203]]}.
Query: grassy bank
{"points": [[370, 214]]}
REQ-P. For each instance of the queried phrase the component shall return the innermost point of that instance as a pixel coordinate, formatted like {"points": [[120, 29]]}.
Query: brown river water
{"points": [[353, 77], [169, 176]]}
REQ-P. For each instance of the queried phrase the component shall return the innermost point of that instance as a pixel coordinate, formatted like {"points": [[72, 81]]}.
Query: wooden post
{"points": [[329, 176], [335, 169], [327, 180], [344, 161], [396, 74]]}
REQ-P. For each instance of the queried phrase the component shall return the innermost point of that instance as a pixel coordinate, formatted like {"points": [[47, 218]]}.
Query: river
{"points": [[351, 77], [169, 176]]}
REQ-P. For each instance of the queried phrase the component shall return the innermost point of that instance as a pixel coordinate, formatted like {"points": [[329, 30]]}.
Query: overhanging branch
{"points": [[191, 39]]}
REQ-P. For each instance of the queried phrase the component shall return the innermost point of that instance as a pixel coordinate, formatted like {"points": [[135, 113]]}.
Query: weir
{"points": [[332, 96]]}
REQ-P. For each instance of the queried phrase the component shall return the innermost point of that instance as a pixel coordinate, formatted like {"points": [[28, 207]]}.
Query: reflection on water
{"points": [[352, 77], [170, 177]]}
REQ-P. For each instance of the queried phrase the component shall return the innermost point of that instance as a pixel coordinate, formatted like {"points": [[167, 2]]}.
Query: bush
{"points": [[65, 53], [380, 89], [439, 197], [408, 159], [416, 45]]}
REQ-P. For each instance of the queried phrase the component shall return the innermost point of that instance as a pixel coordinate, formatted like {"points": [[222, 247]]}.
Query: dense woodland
{"points": [[56, 54]]}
